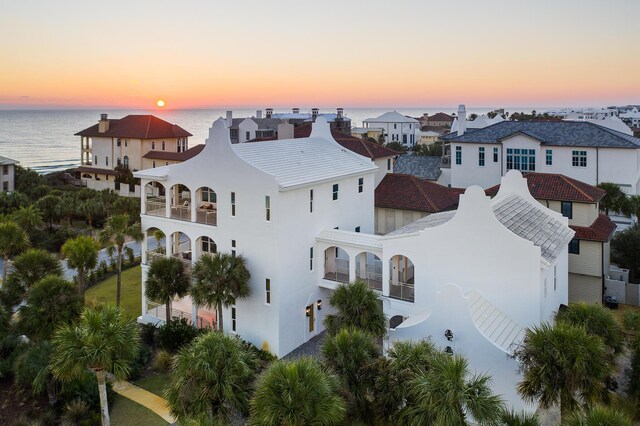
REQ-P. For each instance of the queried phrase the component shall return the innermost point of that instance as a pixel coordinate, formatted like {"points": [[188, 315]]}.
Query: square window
{"points": [[357, 229], [579, 159]]}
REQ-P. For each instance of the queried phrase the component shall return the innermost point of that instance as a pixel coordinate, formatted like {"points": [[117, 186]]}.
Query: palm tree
{"points": [[49, 206], [444, 395], [103, 340], [352, 355], [90, 209], [562, 364], [13, 240], [614, 200], [598, 416], [28, 217], [108, 197], [210, 378], [596, 320], [166, 278], [218, 280], [68, 206], [404, 361], [115, 232], [33, 265], [51, 302], [511, 418], [82, 254], [32, 369], [297, 393], [357, 306]]}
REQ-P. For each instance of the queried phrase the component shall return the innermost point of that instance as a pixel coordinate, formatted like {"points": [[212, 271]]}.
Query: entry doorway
{"points": [[311, 317]]}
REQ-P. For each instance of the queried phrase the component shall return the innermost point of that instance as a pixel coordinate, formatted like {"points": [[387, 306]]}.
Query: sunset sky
{"points": [[352, 53]]}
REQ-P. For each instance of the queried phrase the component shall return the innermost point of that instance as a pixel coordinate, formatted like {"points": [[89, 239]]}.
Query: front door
{"points": [[311, 318]]}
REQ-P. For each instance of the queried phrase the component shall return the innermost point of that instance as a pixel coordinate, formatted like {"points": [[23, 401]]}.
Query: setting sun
{"points": [[160, 103]]}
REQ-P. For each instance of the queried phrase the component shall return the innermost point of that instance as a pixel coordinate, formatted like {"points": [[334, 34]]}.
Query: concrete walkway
{"points": [[145, 398]]}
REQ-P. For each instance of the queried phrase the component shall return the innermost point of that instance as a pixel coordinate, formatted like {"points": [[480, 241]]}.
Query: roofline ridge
{"points": [[424, 194], [567, 179], [148, 127]]}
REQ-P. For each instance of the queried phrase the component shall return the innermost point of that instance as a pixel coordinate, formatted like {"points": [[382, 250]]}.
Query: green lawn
{"points": [[131, 297], [155, 383], [125, 412]]}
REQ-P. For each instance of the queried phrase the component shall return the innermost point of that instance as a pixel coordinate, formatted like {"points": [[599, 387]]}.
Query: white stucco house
{"points": [[631, 117], [580, 150], [302, 213], [7, 174], [479, 122], [396, 127]]}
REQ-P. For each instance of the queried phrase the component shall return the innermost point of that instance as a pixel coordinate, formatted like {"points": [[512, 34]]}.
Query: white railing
{"points": [[181, 212], [207, 216], [341, 273], [156, 206], [401, 291], [160, 311]]}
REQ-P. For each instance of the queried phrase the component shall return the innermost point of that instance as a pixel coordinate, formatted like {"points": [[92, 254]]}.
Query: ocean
{"points": [[44, 139]]}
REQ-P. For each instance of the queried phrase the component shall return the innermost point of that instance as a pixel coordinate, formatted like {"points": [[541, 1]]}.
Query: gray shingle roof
{"points": [[422, 166], [524, 219], [555, 133]]}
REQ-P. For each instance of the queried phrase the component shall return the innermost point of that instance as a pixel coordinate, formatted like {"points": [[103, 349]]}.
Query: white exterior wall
{"points": [[617, 165], [385, 165], [9, 177], [247, 125], [396, 134]]}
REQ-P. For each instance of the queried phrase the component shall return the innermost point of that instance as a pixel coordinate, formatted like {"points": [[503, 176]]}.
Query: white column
{"points": [[168, 194], [385, 277], [363, 266], [193, 204], [145, 304], [143, 198], [143, 249], [169, 245], [352, 268]]}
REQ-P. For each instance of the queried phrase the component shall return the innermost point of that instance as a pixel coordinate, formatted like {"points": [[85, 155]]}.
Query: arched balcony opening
{"points": [[155, 199], [205, 246], [207, 206], [87, 176], [156, 245], [402, 278], [395, 321], [180, 247], [180, 202], [336, 265], [369, 270]]}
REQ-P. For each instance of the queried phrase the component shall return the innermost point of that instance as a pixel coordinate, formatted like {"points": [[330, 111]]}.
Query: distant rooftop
{"points": [[422, 166], [392, 117], [138, 127], [551, 186], [5, 161], [406, 192]]}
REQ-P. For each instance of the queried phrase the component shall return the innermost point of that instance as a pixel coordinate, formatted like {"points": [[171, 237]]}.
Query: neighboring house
{"points": [[631, 117], [301, 211], [439, 119], [397, 127], [382, 157], [427, 137], [370, 132], [589, 251], [610, 122], [478, 123], [7, 174], [580, 150], [401, 199], [134, 142]]}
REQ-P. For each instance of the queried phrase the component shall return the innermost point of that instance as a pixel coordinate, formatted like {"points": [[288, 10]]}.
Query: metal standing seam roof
{"points": [[497, 327], [422, 166], [553, 133], [519, 216], [302, 161]]}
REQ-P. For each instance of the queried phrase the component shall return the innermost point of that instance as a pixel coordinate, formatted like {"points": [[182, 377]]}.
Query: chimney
{"points": [[269, 112], [462, 120], [103, 124], [314, 113], [229, 120], [285, 130], [339, 113], [296, 110], [259, 113]]}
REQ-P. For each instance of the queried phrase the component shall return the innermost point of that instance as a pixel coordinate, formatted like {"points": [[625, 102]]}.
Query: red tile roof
{"points": [[407, 192], [549, 186], [352, 143], [600, 230], [440, 116], [175, 156], [139, 127]]}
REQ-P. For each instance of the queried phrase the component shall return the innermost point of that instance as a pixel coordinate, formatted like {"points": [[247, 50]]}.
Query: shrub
{"points": [[138, 365], [263, 355], [148, 333], [634, 373], [85, 389], [162, 361], [631, 321], [76, 412], [176, 334], [103, 269]]}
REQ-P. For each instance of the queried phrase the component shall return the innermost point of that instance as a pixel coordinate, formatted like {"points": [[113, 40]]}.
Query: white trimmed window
{"points": [[233, 204], [267, 208], [335, 191], [267, 291]]}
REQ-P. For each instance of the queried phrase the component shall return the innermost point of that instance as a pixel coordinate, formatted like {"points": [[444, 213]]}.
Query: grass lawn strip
{"points": [[131, 298]]}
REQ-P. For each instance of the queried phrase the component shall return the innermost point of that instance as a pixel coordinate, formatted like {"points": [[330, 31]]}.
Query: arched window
{"points": [[126, 161]]}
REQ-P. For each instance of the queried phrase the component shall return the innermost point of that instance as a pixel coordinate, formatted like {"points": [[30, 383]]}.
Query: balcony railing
{"points": [[401, 291], [207, 214], [341, 274], [160, 311], [181, 212], [373, 276], [156, 206]]}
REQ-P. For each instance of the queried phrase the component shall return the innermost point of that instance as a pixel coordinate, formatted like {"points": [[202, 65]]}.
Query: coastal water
{"points": [[44, 139]]}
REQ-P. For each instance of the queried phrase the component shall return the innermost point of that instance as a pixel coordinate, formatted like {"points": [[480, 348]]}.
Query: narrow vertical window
{"points": [[233, 319], [311, 201], [153, 144], [311, 258], [163, 145], [388, 163], [574, 246], [106, 161], [458, 155], [335, 191], [495, 155], [95, 160], [267, 208], [549, 156], [267, 291], [566, 209], [481, 156], [153, 164], [233, 204], [233, 247], [360, 184]]}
